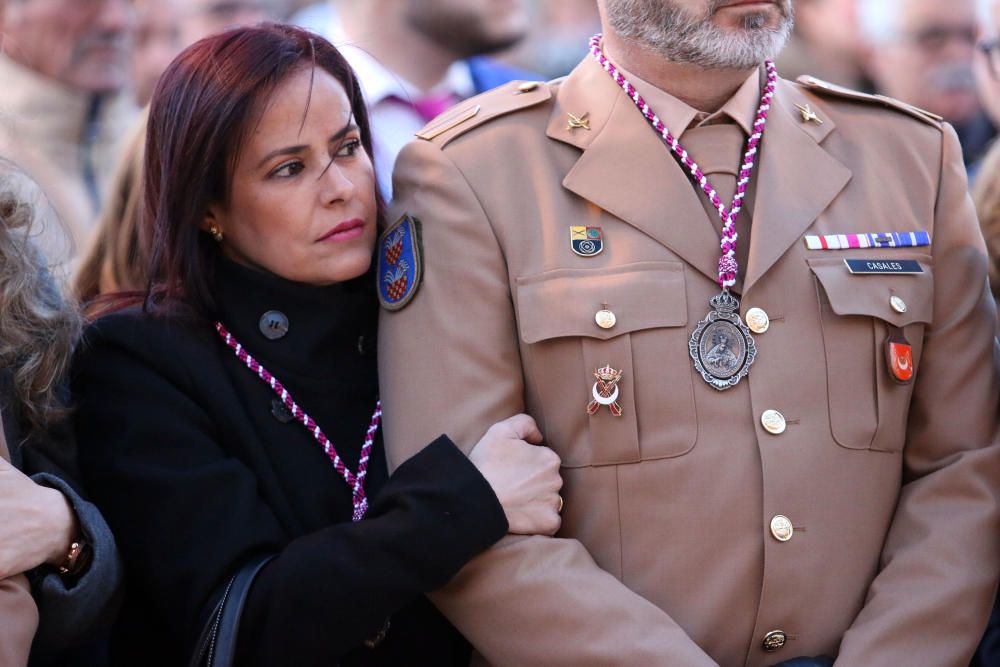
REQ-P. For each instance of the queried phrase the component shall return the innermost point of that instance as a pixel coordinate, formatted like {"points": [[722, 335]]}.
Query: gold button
{"points": [[605, 319], [757, 320], [527, 86], [781, 528], [773, 422], [774, 640], [897, 304]]}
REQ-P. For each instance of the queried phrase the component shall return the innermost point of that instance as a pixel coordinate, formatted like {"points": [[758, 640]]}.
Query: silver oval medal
{"points": [[722, 346]]}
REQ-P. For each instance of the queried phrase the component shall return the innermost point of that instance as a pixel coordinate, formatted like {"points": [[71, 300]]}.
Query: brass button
{"points": [[773, 422], [774, 640], [273, 324], [605, 319], [781, 528], [527, 86], [897, 304], [757, 320]]}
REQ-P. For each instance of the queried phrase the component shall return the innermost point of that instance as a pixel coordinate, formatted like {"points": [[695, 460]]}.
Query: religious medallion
{"points": [[722, 346]]}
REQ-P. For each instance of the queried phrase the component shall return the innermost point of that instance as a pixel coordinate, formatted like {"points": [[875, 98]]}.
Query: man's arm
{"points": [[449, 363], [930, 601]]}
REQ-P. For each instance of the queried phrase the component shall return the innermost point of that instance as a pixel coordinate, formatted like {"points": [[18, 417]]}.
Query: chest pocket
{"points": [[563, 345], [868, 409]]}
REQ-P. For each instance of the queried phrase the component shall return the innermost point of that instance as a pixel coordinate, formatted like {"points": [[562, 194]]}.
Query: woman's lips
{"points": [[345, 231]]}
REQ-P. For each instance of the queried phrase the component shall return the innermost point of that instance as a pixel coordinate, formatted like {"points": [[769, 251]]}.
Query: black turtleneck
{"points": [[197, 471]]}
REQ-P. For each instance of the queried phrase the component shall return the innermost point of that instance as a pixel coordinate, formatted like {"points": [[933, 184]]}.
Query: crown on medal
{"points": [[725, 302], [607, 373]]}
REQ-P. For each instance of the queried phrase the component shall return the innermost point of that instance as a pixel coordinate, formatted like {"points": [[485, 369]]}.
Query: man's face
{"points": [[928, 60], [716, 34], [83, 44], [470, 27]]}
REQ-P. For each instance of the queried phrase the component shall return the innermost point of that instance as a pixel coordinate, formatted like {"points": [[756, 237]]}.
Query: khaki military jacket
{"points": [[669, 552]]}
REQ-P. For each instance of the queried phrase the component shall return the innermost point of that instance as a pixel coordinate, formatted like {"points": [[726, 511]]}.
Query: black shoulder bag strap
{"points": [[216, 646]]}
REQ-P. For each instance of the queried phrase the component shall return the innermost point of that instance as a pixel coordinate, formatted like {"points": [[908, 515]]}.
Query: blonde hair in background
{"points": [[39, 328], [118, 257], [986, 196]]}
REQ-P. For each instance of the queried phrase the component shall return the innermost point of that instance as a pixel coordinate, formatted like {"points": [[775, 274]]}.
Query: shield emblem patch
{"points": [[586, 241], [399, 263]]}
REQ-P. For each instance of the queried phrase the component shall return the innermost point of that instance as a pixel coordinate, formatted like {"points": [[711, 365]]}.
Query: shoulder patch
{"points": [[826, 88], [399, 263], [477, 110]]}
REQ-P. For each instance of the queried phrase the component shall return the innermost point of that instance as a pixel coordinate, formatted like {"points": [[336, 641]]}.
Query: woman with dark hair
{"points": [[47, 529], [229, 424]]}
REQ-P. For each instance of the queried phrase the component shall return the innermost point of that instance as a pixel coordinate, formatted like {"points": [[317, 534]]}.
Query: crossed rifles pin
{"points": [[606, 391]]}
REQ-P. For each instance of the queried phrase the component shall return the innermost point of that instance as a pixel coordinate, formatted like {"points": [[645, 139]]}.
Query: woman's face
{"points": [[302, 196]]}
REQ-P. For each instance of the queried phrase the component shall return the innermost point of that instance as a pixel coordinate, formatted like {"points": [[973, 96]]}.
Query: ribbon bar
{"points": [[883, 240]]}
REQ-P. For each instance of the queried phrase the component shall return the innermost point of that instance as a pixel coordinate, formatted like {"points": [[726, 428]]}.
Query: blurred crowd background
{"points": [[75, 75]]}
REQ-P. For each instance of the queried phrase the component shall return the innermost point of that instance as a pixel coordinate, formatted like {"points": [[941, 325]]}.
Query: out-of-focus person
{"points": [[416, 58], [921, 52], [557, 38], [64, 104], [825, 44], [986, 196], [157, 41], [118, 255], [317, 16], [200, 18], [47, 530]]}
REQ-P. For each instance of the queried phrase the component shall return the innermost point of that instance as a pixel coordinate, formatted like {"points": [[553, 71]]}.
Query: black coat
{"points": [[196, 473]]}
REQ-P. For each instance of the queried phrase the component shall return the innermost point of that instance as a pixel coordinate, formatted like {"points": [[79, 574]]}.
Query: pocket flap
{"points": [[872, 294], [564, 302]]}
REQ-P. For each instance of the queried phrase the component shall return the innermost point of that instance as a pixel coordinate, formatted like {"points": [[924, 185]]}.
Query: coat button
{"points": [[897, 304], [774, 640], [605, 319], [527, 86], [280, 411], [773, 422], [273, 324], [781, 528], [757, 320]]}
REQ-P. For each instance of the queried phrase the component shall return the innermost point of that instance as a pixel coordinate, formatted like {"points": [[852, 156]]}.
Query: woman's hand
{"points": [[37, 524], [524, 475]]}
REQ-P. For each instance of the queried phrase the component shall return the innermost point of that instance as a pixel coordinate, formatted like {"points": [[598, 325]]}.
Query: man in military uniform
{"points": [[831, 489]]}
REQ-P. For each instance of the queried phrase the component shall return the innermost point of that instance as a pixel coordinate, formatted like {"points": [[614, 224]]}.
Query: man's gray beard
{"points": [[680, 37]]}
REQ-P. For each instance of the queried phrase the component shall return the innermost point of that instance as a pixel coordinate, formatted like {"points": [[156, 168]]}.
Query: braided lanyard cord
{"points": [[356, 482], [728, 267]]}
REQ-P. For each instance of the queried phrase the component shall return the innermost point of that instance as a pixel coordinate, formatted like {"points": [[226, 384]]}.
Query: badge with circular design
{"points": [[722, 346]]}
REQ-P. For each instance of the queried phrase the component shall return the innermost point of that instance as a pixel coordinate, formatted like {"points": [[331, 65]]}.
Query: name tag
{"points": [[883, 266]]}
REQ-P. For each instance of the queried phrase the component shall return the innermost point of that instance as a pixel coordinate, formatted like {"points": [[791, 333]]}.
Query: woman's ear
{"points": [[210, 224]]}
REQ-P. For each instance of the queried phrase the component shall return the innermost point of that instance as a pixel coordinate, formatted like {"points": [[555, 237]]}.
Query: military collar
{"points": [[679, 116]]}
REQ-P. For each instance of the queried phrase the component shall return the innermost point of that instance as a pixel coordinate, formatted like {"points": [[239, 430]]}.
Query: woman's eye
{"points": [[349, 148], [288, 169]]}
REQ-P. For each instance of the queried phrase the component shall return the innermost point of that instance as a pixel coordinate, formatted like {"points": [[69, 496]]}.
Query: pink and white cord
{"points": [[728, 266], [356, 482]]}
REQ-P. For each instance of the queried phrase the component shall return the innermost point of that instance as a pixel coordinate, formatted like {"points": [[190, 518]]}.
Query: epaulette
{"points": [[825, 87], [475, 111]]}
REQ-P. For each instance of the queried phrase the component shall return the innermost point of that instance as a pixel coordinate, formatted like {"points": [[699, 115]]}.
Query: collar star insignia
{"points": [[808, 115], [578, 122]]}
